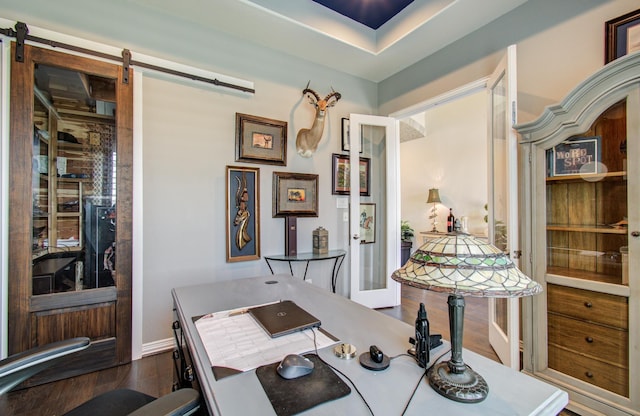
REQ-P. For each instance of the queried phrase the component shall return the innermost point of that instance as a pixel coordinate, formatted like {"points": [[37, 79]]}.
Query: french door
{"points": [[503, 206], [374, 210], [70, 208]]}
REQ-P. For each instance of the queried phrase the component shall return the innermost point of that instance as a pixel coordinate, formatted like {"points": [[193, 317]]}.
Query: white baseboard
{"points": [[157, 347]]}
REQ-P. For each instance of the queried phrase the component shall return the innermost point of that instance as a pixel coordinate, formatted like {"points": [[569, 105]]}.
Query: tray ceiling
{"points": [[315, 32]]}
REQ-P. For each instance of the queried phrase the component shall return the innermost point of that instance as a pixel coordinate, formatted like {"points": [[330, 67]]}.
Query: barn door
{"points": [[70, 208]]}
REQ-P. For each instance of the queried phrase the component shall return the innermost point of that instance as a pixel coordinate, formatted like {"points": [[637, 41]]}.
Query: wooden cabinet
{"points": [[582, 238]]}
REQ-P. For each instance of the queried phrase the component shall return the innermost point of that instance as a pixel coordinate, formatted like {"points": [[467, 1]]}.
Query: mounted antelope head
{"points": [[308, 139]]}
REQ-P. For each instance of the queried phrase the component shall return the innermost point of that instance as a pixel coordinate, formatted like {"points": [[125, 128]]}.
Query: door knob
{"points": [[356, 237], [635, 233]]}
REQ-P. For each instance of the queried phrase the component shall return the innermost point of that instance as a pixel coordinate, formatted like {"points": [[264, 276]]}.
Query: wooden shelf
{"points": [[84, 115], [584, 275], [74, 180], [589, 177], [600, 229]]}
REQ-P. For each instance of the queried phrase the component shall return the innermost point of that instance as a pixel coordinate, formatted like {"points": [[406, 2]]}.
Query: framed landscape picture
{"points": [[261, 140], [295, 194]]}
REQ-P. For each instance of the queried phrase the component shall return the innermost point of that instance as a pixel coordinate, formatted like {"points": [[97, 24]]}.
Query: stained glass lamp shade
{"points": [[462, 265]]}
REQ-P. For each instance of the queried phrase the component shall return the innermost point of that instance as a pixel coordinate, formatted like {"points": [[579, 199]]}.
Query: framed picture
{"points": [[261, 140], [622, 36], [340, 175], [295, 194], [367, 223], [243, 213], [346, 137], [578, 156]]}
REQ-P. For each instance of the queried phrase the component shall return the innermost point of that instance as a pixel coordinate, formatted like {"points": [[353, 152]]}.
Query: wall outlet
{"points": [[345, 216]]}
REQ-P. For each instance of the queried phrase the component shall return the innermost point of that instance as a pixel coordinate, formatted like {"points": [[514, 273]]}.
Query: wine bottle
{"points": [[450, 220]]}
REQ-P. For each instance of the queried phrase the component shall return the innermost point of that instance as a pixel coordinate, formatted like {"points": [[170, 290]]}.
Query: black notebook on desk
{"points": [[283, 318]]}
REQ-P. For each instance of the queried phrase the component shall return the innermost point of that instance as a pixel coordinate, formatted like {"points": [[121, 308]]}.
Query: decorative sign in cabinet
{"points": [[582, 217]]}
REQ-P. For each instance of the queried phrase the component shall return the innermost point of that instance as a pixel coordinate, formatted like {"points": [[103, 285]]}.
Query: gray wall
{"points": [[188, 130], [189, 138]]}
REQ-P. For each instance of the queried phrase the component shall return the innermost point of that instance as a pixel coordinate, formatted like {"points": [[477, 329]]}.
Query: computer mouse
{"points": [[294, 366]]}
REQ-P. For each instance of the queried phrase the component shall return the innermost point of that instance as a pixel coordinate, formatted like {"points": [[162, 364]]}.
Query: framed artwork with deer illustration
{"points": [[261, 140], [243, 213], [295, 194]]}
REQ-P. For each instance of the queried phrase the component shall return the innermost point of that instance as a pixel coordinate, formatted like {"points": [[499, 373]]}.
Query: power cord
{"points": [[340, 372], [421, 377]]}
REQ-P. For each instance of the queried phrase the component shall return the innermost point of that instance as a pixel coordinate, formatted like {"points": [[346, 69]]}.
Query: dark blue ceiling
{"points": [[372, 13]]}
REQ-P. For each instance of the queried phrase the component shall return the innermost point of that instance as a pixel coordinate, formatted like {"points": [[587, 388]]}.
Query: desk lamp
{"points": [[462, 265], [433, 198]]}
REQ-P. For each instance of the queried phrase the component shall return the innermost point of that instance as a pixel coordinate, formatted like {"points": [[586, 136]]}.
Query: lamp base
{"points": [[465, 387]]}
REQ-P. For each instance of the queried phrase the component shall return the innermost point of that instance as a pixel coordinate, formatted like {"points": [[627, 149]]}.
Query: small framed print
{"points": [[367, 223], [295, 194], [261, 140], [243, 213], [346, 136], [340, 176], [622, 36]]}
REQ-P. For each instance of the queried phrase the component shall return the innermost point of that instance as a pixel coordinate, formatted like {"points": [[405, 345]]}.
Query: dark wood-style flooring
{"points": [[154, 375]]}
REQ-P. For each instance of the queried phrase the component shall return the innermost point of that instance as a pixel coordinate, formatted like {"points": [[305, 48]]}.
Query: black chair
{"points": [[19, 367]]}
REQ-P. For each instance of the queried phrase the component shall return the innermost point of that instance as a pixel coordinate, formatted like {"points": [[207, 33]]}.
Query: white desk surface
{"points": [[387, 392]]}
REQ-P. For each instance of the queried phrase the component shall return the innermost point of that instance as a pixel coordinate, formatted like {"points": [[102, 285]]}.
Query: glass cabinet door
{"points": [[587, 202]]}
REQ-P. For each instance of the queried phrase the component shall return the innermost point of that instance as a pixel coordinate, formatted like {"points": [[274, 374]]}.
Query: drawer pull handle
{"points": [[588, 304], [589, 374], [589, 340]]}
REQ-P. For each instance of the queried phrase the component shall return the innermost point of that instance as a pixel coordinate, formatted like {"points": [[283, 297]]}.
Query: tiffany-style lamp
{"points": [[462, 265]]}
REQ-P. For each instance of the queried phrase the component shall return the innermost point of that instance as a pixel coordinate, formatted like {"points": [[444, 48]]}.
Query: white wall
{"points": [[559, 44], [452, 158]]}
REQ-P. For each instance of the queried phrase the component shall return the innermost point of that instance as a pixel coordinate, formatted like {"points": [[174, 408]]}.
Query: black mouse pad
{"points": [[289, 397]]}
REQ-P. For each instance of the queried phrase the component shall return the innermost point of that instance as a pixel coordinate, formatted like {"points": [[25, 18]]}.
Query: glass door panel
{"points": [[73, 176], [586, 193], [374, 211], [503, 181]]}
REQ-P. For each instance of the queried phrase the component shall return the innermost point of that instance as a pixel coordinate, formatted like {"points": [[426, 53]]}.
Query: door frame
{"points": [[390, 295], [19, 259], [506, 345], [452, 95]]}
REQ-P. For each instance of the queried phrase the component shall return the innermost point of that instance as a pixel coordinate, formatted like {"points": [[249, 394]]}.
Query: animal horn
{"points": [[332, 94], [308, 90]]}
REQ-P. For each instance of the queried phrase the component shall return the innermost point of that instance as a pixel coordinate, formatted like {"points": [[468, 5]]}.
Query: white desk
{"points": [[510, 392]]}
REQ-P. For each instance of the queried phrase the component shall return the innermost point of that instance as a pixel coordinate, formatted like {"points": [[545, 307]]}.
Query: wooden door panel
{"points": [[94, 321], [102, 314]]}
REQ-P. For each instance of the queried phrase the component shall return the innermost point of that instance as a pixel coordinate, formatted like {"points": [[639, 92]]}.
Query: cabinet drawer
{"points": [[591, 306], [598, 373], [600, 342]]}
